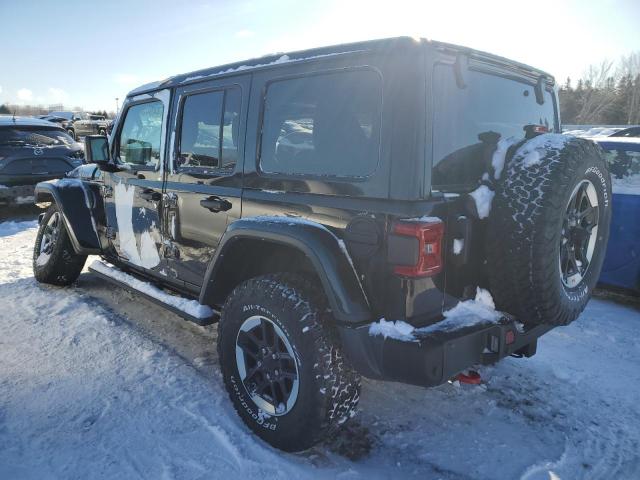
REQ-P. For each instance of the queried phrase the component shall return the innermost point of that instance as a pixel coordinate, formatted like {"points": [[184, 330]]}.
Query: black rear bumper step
{"points": [[435, 358], [200, 321]]}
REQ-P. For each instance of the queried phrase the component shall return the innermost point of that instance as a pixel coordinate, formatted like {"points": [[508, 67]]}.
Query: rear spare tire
{"points": [[548, 229]]}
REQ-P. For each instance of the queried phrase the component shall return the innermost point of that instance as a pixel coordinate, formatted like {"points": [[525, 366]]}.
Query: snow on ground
{"points": [[97, 383]]}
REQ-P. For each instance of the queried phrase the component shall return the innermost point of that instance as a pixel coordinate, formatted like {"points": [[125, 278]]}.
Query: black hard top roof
{"points": [[343, 49]]}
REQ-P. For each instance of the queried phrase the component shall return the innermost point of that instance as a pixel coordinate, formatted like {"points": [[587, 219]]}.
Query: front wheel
{"points": [[285, 375], [54, 260]]}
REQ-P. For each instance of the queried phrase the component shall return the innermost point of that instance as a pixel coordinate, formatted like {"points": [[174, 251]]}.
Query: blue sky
{"points": [[85, 53]]}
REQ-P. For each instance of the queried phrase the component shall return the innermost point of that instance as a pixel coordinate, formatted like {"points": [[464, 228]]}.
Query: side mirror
{"points": [[96, 150]]}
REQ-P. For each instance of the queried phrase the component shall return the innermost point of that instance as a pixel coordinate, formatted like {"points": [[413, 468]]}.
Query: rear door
{"points": [[133, 196], [203, 186]]}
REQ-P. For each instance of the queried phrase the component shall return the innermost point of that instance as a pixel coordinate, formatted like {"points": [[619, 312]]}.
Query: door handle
{"points": [[216, 204], [150, 195]]}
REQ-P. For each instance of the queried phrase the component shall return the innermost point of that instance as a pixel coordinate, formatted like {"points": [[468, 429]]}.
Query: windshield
{"points": [[34, 136]]}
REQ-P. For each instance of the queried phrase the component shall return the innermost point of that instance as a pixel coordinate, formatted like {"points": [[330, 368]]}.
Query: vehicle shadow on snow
{"points": [[451, 431], [196, 346]]}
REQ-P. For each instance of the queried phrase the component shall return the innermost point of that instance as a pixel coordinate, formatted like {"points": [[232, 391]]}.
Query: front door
{"points": [[204, 180], [133, 196]]}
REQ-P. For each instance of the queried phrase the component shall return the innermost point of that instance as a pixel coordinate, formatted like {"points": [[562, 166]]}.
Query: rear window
{"points": [[18, 136], [468, 121], [325, 124]]}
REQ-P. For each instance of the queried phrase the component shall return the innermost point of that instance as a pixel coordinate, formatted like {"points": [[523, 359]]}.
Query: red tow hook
{"points": [[471, 378]]}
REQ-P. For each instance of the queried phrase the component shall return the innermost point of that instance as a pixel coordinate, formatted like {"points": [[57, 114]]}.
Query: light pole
{"points": [[116, 106]]}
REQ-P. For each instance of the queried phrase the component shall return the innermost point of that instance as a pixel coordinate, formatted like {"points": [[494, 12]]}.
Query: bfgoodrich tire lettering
{"points": [[54, 260], [525, 232], [328, 388]]}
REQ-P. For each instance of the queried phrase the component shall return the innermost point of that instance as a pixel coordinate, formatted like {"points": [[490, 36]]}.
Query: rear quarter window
{"points": [[322, 125], [468, 121]]}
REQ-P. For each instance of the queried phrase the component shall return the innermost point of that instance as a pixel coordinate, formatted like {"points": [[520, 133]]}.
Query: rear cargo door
{"points": [[472, 110]]}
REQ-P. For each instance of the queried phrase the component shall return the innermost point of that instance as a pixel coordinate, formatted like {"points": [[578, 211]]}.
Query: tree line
{"points": [[607, 94], [34, 110]]}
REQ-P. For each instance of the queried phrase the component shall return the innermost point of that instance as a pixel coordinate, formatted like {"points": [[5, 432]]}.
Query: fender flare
{"points": [[75, 203], [322, 248]]}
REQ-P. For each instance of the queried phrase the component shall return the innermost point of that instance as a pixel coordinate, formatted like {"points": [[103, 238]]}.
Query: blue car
{"points": [[622, 262]]}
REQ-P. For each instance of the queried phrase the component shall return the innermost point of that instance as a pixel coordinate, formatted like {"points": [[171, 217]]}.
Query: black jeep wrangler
{"points": [[337, 210]]}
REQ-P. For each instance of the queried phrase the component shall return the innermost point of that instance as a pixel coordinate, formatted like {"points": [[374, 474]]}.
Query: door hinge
{"points": [[171, 251], [170, 200], [111, 233], [106, 191]]}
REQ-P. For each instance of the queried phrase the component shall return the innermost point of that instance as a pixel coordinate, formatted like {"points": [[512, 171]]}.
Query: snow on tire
{"points": [[548, 229], [283, 370], [54, 259]]}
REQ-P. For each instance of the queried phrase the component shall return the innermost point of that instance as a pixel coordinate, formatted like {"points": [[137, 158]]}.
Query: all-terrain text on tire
{"points": [[286, 376], [394, 209]]}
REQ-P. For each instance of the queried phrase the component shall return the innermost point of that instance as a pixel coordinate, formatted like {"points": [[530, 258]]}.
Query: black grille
{"points": [[36, 166]]}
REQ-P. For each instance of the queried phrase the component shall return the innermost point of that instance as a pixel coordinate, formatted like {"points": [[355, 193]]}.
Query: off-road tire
{"points": [[525, 226], [329, 388], [63, 265]]}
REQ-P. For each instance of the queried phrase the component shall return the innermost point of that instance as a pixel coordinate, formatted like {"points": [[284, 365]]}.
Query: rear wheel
{"points": [[54, 260], [284, 372]]}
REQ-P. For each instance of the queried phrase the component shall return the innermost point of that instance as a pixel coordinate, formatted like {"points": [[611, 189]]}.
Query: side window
{"points": [[325, 124], [141, 135], [623, 164], [209, 130]]}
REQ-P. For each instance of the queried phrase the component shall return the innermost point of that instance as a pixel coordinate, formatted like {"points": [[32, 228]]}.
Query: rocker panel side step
{"points": [[191, 310]]}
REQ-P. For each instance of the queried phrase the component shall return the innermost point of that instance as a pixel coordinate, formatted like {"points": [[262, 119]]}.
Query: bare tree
{"points": [[629, 68], [598, 93]]}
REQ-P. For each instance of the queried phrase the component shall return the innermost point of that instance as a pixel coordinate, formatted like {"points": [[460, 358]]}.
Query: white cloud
{"points": [[0, 88], [244, 34], [57, 95], [25, 94]]}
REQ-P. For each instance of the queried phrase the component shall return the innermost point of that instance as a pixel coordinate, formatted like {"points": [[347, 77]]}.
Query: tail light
{"points": [[427, 260]]}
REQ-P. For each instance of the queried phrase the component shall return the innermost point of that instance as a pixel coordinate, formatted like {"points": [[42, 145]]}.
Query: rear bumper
{"points": [[433, 359], [17, 195]]}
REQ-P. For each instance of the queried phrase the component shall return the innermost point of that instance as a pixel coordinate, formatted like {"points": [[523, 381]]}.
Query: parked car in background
{"points": [[622, 262], [79, 124], [592, 131], [31, 151], [632, 132]]}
